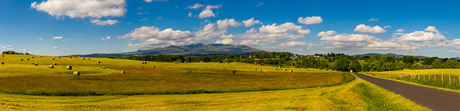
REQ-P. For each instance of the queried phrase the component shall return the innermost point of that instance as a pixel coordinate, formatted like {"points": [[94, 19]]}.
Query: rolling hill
{"points": [[186, 50]]}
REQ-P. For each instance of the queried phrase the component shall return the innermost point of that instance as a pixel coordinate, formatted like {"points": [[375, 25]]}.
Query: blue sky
{"points": [[65, 27]]}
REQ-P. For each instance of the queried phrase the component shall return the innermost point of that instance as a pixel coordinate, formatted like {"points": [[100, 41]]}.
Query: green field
{"points": [[184, 86]]}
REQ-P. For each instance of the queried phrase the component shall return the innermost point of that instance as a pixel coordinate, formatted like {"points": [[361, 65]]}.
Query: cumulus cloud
{"points": [[58, 37], [82, 8], [208, 12], [195, 6], [373, 19], [431, 29], [101, 22], [412, 41], [223, 24], [386, 26], [7, 47], [210, 31], [268, 34], [310, 20], [292, 44], [152, 37], [224, 41], [106, 38], [251, 22], [327, 33], [399, 30], [361, 28], [348, 41]]}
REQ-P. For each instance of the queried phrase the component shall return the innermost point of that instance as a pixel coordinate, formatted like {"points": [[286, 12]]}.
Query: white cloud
{"points": [[412, 41], [101, 22], [293, 44], [190, 14], [148, 1], [58, 37], [106, 38], [361, 28], [144, 19], [276, 29], [40, 38], [434, 50], [431, 29], [373, 19], [250, 22], [223, 24], [152, 37], [7, 47], [386, 26], [327, 33], [310, 20], [210, 31], [55, 47], [303, 32], [81, 34], [453, 51], [225, 41], [208, 12], [348, 41], [260, 3], [161, 17], [82, 8], [195, 6], [399, 30]]}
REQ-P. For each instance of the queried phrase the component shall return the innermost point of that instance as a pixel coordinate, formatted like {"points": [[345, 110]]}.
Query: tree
{"points": [[437, 64], [451, 63], [342, 64], [355, 66]]}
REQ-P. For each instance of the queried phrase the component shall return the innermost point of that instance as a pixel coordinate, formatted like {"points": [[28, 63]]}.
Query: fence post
{"points": [[435, 77], [429, 77], [442, 78], [418, 77], [449, 80]]}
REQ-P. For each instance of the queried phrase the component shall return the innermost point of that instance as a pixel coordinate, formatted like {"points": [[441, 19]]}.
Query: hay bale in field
{"points": [[41, 57], [83, 58], [33, 63], [153, 66], [27, 58], [21, 59], [260, 69], [276, 69], [103, 67], [32, 57], [279, 67], [76, 73], [71, 57], [53, 58], [89, 58], [255, 69], [69, 67], [55, 63], [228, 63], [285, 69], [36, 64], [122, 72], [185, 61], [3, 63], [290, 70], [51, 66], [98, 62], [59, 57]]}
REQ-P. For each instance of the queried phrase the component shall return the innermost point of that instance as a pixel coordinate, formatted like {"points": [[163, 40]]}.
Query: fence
{"points": [[437, 80]]}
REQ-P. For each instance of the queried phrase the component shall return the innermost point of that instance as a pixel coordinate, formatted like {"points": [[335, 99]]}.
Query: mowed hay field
{"points": [[22, 77]]}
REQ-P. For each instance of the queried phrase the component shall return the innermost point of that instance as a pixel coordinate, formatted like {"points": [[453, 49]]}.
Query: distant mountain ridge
{"points": [[187, 50]]}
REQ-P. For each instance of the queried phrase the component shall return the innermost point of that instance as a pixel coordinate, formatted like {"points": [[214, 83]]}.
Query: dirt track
{"points": [[435, 99]]}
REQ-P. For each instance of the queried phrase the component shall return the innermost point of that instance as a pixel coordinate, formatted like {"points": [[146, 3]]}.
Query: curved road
{"points": [[435, 99]]}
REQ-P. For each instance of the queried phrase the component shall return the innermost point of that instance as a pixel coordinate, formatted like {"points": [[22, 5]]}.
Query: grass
{"points": [[347, 96], [191, 86], [429, 77]]}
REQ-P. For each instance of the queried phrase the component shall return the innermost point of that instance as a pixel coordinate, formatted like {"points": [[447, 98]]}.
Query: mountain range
{"points": [[186, 50]]}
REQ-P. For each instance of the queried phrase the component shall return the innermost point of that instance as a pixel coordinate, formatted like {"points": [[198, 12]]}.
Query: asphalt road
{"points": [[435, 99]]}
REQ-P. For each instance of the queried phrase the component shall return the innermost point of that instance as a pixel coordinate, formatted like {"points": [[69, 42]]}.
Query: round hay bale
{"points": [[103, 67], [33, 63], [276, 69], [122, 72], [53, 59], [185, 61], [69, 67], [255, 69], [83, 58], [228, 63], [98, 62], [27, 58], [36, 64], [3, 63], [290, 70], [285, 69], [55, 63], [279, 67], [59, 57], [153, 66], [76, 73], [51, 66], [21, 59], [260, 69], [40, 56], [89, 58], [71, 57], [32, 57]]}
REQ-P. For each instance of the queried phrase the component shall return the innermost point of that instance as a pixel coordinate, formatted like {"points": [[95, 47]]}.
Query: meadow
{"points": [[440, 78], [183, 86]]}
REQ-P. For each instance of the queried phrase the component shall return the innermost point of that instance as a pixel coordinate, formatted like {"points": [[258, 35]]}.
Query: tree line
{"points": [[329, 61]]}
